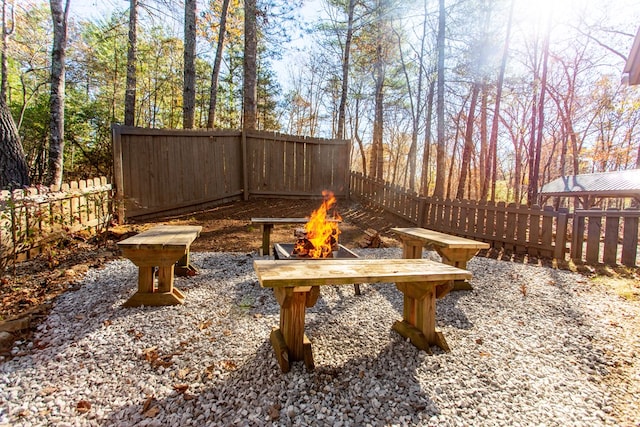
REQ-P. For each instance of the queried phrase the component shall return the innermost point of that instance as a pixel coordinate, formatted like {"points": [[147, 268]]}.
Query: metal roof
{"points": [[624, 183]]}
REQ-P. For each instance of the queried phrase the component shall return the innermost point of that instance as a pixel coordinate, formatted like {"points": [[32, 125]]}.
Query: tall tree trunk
{"points": [[213, 92], [493, 141], [249, 90], [426, 154], [377, 152], [56, 101], [532, 193], [132, 60], [189, 88], [3, 60], [345, 72], [356, 135], [468, 141], [13, 167], [440, 148], [484, 146]]}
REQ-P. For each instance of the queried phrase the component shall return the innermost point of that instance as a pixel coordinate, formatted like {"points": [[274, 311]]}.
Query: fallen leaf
{"points": [[182, 373], [83, 406], [204, 325], [229, 365], [147, 404], [188, 396], [48, 390], [152, 412], [208, 371], [226, 332], [274, 412], [107, 322], [485, 354], [181, 388]]}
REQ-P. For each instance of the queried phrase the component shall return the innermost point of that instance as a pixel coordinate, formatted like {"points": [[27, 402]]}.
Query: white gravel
{"points": [[530, 346]]}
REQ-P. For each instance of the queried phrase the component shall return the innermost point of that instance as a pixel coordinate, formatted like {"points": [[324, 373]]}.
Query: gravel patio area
{"points": [[530, 346]]}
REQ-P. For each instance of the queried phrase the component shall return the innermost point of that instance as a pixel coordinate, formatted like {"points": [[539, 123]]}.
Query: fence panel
{"points": [[33, 215], [616, 242], [168, 171]]}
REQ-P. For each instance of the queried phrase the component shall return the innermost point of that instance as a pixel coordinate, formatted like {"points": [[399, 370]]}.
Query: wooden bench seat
{"points": [[296, 285], [163, 248], [454, 250]]}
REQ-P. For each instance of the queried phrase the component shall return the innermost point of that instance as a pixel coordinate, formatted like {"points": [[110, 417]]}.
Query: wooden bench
{"points": [[267, 225], [296, 285], [454, 250], [165, 247]]}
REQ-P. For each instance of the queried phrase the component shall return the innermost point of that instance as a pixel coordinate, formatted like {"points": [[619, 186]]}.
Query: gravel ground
{"points": [[530, 346]]}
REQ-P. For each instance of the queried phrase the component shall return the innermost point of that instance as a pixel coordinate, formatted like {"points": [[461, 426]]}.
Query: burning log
{"points": [[320, 235]]}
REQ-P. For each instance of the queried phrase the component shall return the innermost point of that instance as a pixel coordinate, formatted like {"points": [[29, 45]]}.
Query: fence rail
{"points": [[32, 215], [536, 231]]}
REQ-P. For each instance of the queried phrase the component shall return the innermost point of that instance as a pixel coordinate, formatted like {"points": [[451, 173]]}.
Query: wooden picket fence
{"points": [[536, 231], [30, 216]]}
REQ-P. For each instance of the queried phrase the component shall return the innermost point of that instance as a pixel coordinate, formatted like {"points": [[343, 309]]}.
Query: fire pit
{"points": [[285, 251], [318, 240]]}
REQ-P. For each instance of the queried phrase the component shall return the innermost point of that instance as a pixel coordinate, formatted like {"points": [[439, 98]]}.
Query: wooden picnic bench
{"points": [[267, 225], [165, 248], [454, 250], [296, 285]]}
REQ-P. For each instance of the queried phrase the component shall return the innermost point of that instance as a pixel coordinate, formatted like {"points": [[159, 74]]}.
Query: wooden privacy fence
{"points": [[520, 229], [162, 171], [33, 215]]}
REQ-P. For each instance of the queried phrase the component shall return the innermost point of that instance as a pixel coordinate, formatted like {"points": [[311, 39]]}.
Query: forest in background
{"points": [[476, 99]]}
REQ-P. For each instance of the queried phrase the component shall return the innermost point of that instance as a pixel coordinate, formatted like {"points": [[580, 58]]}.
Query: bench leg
{"points": [[184, 267], [147, 261], [458, 258], [419, 315], [289, 341], [266, 238]]}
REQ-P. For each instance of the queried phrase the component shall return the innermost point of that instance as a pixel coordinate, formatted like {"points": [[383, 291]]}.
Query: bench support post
{"points": [[290, 342], [419, 314], [149, 292]]}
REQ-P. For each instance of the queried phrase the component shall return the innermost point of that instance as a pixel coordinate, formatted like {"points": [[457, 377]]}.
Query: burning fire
{"points": [[321, 235]]}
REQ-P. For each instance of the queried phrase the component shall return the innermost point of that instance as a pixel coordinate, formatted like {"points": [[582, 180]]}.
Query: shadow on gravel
{"points": [[379, 390]]}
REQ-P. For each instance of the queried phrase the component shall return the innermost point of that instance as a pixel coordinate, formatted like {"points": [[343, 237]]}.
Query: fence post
{"points": [[630, 241], [612, 224], [594, 227], [561, 234], [577, 237]]}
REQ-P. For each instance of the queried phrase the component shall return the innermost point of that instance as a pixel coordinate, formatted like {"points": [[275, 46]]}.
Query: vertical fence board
{"points": [[612, 226], [594, 226], [630, 241]]}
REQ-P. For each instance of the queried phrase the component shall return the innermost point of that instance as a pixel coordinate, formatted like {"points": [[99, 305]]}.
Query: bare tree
{"points": [[189, 88], [13, 167], [440, 148], [132, 59], [213, 92], [345, 71], [250, 82], [56, 102]]}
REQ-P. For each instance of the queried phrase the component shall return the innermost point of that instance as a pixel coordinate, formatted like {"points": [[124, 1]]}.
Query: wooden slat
{"points": [[440, 239], [163, 236], [594, 227], [274, 274], [610, 251], [630, 241]]}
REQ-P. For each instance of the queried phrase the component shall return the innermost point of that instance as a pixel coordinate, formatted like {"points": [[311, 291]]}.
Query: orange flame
{"points": [[322, 234]]}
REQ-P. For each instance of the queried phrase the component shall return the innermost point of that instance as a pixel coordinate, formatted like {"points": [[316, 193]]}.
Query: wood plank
{"points": [[163, 236], [610, 252], [594, 227], [630, 241], [273, 273], [436, 238]]}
